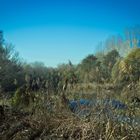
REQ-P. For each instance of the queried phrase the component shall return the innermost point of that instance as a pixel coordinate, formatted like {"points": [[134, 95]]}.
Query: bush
{"points": [[20, 97], [128, 69]]}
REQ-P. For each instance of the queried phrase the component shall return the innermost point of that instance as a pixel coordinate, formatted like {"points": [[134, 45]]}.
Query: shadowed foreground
{"points": [[49, 118]]}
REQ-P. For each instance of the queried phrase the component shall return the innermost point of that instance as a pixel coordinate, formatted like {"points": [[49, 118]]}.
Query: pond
{"points": [[111, 108]]}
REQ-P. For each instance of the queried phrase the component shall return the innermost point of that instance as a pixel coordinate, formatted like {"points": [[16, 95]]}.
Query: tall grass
{"points": [[61, 123]]}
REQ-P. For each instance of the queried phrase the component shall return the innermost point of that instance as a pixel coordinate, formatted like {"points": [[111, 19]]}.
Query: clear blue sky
{"points": [[55, 31]]}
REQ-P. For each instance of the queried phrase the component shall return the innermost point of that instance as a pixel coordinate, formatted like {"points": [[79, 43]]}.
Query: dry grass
{"points": [[49, 119], [63, 124]]}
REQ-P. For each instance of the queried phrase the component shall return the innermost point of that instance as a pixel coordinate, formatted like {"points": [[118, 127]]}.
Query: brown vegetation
{"points": [[34, 102]]}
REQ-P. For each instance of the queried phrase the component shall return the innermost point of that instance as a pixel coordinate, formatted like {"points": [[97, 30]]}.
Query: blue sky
{"points": [[55, 31]]}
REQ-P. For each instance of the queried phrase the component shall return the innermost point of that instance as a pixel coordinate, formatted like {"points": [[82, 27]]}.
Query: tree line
{"points": [[117, 60]]}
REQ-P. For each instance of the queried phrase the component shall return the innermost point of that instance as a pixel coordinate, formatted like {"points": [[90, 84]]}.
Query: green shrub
{"points": [[20, 98], [128, 69], [16, 99]]}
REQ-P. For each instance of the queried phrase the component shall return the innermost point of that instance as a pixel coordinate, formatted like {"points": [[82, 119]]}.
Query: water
{"points": [[84, 103], [110, 108]]}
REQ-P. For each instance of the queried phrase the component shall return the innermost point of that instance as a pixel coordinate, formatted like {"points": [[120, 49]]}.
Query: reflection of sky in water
{"points": [[84, 108], [116, 104]]}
